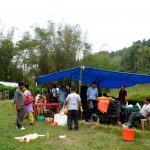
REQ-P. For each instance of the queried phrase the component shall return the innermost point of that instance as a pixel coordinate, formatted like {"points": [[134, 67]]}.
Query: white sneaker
{"points": [[22, 128]]}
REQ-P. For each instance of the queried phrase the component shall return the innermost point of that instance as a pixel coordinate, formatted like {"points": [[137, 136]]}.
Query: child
{"points": [[74, 102]]}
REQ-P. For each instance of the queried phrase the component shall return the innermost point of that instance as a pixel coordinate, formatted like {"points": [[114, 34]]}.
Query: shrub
{"points": [[8, 88]]}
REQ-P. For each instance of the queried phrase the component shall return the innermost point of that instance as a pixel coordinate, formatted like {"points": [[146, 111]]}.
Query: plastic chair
{"points": [[143, 122]]}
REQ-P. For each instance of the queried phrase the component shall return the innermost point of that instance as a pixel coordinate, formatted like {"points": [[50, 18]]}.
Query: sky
{"points": [[110, 24]]}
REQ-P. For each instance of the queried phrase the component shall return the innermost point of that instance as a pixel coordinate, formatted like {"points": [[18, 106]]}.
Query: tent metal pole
{"points": [[41, 88], [98, 85], [80, 80], [70, 81]]}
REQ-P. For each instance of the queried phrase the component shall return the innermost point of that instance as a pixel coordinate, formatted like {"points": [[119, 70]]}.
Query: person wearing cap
{"points": [[74, 102], [19, 101], [142, 114]]}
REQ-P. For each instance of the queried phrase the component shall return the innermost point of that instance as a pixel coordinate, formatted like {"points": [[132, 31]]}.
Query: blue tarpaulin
{"points": [[104, 78]]}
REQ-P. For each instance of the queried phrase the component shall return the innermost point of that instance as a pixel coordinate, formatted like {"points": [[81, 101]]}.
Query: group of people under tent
{"points": [[74, 101], [92, 94]]}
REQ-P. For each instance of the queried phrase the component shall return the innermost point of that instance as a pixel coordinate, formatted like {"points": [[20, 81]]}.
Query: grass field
{"points": [[89, 136]]}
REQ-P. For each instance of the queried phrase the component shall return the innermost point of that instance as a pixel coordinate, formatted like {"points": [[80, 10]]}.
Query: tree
{"points": [[6, 55], [59, 47], [103, 60], [25, 55]]}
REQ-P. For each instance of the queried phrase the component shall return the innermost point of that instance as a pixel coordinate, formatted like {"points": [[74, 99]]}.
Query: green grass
{"points": [[89, 137]]}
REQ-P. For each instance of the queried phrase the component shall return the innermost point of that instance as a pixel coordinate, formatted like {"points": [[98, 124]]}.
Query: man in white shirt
{"points": [[143, 113], [74, 102], [92, 94]]}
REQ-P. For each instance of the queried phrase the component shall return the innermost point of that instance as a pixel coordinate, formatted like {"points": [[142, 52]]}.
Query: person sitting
{"points": [[142, 114]]}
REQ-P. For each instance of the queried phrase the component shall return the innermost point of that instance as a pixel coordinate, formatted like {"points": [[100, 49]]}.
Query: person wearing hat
{"points": [[19, 101], [142, 114], [74, 102]]}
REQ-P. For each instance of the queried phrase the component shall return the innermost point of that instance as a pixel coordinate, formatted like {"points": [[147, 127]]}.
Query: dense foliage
{"points": [[62, 46]]}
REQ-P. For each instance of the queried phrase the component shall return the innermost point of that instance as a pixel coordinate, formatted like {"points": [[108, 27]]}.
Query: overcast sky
{"points": [[111, 24]]}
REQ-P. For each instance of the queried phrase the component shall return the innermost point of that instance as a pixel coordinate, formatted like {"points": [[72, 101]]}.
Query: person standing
{"points": [[74, 102], [62, 97], [122, 95], [28, 109], [19, 101], [92, 94], [54, 92]]}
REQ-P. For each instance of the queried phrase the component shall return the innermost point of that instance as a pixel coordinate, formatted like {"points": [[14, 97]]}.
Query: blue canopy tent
{"points": [[104, 78]]}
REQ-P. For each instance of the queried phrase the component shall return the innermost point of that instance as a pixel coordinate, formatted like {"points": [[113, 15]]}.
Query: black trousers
{"points": [[93, 110], [20, 116], [55, 99], [73, 115]]}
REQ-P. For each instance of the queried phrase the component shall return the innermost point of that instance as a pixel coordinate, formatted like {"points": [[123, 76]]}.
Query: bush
{"points": [[8, 88], [11, 90]]}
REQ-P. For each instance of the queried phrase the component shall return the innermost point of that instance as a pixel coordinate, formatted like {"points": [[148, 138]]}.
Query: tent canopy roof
{"points": [[104, 78], [12, 84]]}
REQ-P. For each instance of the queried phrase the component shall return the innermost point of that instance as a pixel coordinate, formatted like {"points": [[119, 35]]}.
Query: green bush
{"points": [[11, 90], [8, 88]]}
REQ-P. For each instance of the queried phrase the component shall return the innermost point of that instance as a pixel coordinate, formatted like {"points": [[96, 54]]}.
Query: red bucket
{"points": [[128, 134]]}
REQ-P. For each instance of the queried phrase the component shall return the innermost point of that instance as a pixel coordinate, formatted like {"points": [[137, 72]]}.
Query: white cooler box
{"points": [[60, 119]]}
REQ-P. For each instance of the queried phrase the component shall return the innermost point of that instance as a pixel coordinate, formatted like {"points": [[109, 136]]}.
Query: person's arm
{"points": [[119, 96], [17, 100], [96, 93], [80, 104], [126, 97], [65, 96], [87, 94], [149, 112], [67, 100]]}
